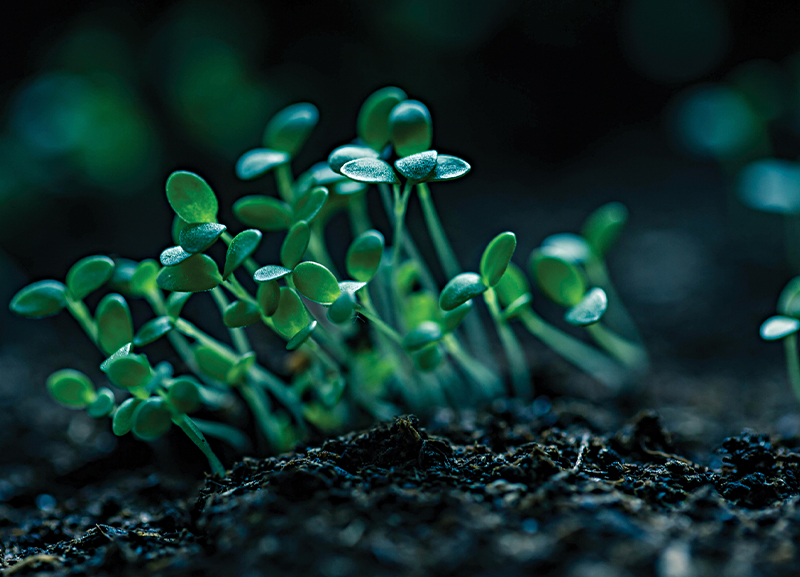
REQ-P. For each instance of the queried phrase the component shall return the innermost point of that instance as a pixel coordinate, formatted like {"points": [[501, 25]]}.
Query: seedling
{"points": [[382, 338], [784, 326]]}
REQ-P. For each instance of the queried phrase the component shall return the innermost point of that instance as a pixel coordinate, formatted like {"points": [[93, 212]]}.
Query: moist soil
{"points": [[557, 487]]}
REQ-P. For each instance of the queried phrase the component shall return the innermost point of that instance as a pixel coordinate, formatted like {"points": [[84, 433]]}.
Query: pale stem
{"points": [[520, 376]]}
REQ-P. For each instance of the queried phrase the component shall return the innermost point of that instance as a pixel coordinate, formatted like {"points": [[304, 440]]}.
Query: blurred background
{"points": [[559, 105]]}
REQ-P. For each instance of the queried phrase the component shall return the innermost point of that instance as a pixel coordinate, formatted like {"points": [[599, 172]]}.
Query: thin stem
{"points": [[250, 264], [81, 314], [318, 249], [488, 382], [376, 321], [280, 391], [238, 336], [262, 412], [447, 257], [285, 180], [629, 354], [359, 215], [231, 435], [156, 301], [586, 358], [520, 376], [793, 363], [400, 206], [194, 433]]}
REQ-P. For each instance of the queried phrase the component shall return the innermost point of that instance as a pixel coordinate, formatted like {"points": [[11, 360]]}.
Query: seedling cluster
{"points": [[379, 337]]}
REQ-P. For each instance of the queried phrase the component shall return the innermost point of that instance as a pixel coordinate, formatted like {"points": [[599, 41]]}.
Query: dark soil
{"points": [[541, 489]]}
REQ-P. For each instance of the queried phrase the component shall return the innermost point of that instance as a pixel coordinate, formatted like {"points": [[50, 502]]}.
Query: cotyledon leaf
{"points": [[344, 154], [364, 255], [417, 167], [411, 127], [103, 404], [72, 388], [604, 226], [195, 274], [301, 336], [89, 274], [291, 316], [153, 330], [263, 212], [288, 129], [259, 161], [241, 313], [198, 237], [513, 284], [591, 308], [422, 335], [372, 125], [315, 282], [309, 205], [173, 255], [43, 298], [191, 197], [460, 289], [295, 244], [268, 297], [779, 327], [242, 246], [151, 419], [449, 168], [114, 323], [271, 272], [370, 170], [560, 280], [496, 257], [122, 422]]}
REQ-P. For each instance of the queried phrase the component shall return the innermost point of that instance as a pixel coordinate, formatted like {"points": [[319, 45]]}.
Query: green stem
{"points": [[194, 433], [487, 381], [284, 180], [262, 412], [156, 301], [629, 354], [520, 376], [280, 391], [81, 314], [586, 358], [597, 272], [793, 363], [318, 250], [376, 321], [400, 206], [359, 215], [238, 336], [231, 435]]}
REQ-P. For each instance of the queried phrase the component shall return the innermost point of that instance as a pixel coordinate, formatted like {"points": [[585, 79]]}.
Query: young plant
{"points": [[422, 345], [784, 326]]}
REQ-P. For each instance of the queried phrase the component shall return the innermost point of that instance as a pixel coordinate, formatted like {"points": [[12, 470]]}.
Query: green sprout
{"points": [[381, 338], [784, 326]]}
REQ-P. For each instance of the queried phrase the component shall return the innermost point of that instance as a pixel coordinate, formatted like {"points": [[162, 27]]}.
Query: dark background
{"points": [[559, 105]]}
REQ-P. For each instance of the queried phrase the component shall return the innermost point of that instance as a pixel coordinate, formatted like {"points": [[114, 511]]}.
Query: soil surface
{"points": [[546, 488]]}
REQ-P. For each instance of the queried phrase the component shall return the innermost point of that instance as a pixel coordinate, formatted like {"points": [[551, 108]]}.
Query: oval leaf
{"points": [[372, 125], [604, 226], [175, 302], [451, 319], [364, 255], [789, 299], [71, 388], [315, 282], [496, 257], [423, 335], [321, 174], [344, 154], [560, 280], [309, 205], [153, 330], [351, 286], [295, 244], [271, 272], [103, 405], [40, 299], [417, 167], [191, 197], [213, 363], [123, 416], [291, 315], [342, 308], [172, 256], [241, 313], [242, 246], [184, 394], [589, 310], [259, 161], [427, 358], [779, 327], [263, 212], [289, 128], [449, 168], [89, 274], [570, 247], [151, 419], [301, 337], [143, 280], [238, 371], [195, 274], [123, 351], [114, 323], [268, 297], [199, 236], [411, 127], [370, 170], [460, 289], [129, 372]]}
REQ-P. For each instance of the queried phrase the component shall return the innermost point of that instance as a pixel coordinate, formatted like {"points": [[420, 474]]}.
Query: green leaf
{"points": [[419, 307], [213, 363], [779, 327], [263, 212], [515, 307], [513, 284], [178, 224], [271, 272], [103, 405], [144, 276], [589, 310], [321, 174], [372, 125], [342, 308], [423, 335], [570, 247], [417, 167], [344, 154], [123, 351], [364, 255], [315, 282], [123, 416], [71, 388], [309, 205], [89, 274], [411, 127], [268, 297], [349, 187], [200, 236], [120, 281], [153, 330], [460, 289], [172, 256], [427, 358], [184, 394], [241, 313], [289, 128], [238, 371], [560, 280], [43, 298], [242, 246], [604, 226], [151, 419], [191, 198], [258, 162], [789, 300], [496, 257], [351, 286], [129, 372], [114, 323], [197, 273], [295, 244], [449, 168], [175, 302], [291, 316], [451, 319], [370, 170], [300, 337]]}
